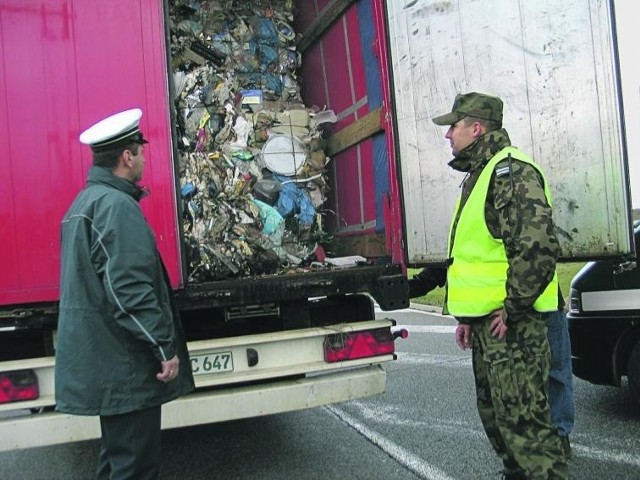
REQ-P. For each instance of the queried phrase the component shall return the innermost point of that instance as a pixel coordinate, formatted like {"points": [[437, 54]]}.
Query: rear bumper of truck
{"points": [[269, 373], [52, 428]]}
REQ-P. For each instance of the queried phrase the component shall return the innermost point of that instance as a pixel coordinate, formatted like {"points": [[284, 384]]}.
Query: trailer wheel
{"points": [[633, 371]]}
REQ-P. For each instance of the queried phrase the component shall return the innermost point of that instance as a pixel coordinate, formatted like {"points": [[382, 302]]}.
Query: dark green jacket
{"points": [[115, 323]]}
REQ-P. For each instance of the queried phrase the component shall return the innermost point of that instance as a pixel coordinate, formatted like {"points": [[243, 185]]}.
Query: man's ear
{"points": [[478, 129], [127, 158]]}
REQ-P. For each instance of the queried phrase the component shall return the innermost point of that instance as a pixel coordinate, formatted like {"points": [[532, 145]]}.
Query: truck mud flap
{"points": [[392, 292]]}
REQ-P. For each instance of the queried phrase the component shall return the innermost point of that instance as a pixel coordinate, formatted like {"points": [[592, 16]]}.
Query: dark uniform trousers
{"points": [[130, 446], [512, 393]]}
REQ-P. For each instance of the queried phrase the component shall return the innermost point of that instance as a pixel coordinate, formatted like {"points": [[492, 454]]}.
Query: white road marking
{"points": [[405, 458], [433, 359], [604, 455], [426, 311], [428, 328], [396, 416]]}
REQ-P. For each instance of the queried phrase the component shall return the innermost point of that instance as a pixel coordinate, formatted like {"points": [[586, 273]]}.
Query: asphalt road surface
{"points": [[424, 427]]}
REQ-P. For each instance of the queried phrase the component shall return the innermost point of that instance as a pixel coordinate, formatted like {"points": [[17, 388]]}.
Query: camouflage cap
{"points": [[472, 104]]}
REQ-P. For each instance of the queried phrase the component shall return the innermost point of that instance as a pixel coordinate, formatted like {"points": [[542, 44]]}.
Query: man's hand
{"points": [[170, 370], [416, 288], [463, 336], [426, 280], [497, 327]]}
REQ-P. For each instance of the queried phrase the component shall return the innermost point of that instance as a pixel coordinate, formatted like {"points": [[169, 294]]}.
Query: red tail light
{"points": [[349, 346], [18, 386]]}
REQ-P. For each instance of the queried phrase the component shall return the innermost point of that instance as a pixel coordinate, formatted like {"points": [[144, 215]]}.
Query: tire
{"points": [[633, 371]]}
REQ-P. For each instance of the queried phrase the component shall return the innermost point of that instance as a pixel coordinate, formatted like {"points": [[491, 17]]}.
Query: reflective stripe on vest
{"points": [[476, 280]]}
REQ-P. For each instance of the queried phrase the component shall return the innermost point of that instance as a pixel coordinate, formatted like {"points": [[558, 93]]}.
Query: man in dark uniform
{"points": [[501, 285], [120, 351]]}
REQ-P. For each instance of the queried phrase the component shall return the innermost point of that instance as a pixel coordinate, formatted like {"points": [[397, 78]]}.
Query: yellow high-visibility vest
{"points": [[476, 280]]}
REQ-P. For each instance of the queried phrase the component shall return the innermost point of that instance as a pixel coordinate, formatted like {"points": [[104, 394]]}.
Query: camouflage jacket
{"points": [[516, 211]]}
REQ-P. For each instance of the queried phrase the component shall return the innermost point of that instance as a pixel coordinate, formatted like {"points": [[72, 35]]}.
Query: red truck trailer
{"points": [[259, 344], [285, 339]]}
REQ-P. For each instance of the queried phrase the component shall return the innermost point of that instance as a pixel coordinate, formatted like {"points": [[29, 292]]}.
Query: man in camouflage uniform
{"points": [[501, 286]]}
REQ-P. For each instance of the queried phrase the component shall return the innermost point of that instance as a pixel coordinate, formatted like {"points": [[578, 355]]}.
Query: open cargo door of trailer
{"points": [[555, 66]]}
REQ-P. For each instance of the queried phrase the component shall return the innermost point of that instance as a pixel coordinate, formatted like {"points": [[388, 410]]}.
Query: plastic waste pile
{"points": [[251, 154]]}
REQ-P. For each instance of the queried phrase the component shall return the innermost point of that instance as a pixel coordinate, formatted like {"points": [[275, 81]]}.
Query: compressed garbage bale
{"points": [[236, 92]]}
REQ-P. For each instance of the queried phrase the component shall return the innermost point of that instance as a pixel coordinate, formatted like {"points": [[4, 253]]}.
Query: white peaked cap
{"points": [[115, 130]]}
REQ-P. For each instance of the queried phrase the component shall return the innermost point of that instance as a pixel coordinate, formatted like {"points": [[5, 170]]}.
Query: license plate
{"points": [[215, 362]]}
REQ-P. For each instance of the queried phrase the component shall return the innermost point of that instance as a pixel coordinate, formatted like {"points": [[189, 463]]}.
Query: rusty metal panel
{"points": [[553, 64]]}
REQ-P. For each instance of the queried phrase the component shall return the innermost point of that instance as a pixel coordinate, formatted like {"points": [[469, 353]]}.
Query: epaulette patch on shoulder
{"points": [[502, 171]]}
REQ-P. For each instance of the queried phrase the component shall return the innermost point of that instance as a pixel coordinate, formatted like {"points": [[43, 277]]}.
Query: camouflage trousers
{"points": [[512, 394]]}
